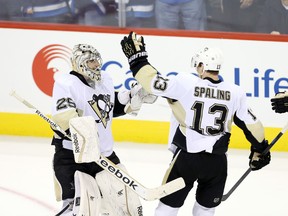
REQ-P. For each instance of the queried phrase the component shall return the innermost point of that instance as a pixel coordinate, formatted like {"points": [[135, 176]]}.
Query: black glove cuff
{"points": [[280, 105], [259, 147], [137, 66]]}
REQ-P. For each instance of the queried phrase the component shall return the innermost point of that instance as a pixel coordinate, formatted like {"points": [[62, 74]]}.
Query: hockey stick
{"points": [[38, 112], [279, 135], [148, 194], [64, 209]]}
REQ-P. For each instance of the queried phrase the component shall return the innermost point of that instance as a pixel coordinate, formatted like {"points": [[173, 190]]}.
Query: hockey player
{"points": [[86, 91], [280, 102], [205, 108]]}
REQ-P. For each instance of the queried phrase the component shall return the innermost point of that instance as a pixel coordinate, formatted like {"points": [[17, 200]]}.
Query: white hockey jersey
{"points": [[204, 109], [72, 97]]}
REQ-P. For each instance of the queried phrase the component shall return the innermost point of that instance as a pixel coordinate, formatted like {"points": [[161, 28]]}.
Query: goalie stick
{"points": [[279, 135], [148, 194]]}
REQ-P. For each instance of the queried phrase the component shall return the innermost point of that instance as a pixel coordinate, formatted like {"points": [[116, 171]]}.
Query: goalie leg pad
{"points": [[67, 208], [85, 142], [117, 199], [87, 199]]}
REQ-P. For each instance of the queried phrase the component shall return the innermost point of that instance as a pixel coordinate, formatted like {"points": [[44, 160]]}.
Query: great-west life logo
{"points": [[55, 58], [48, 61]]}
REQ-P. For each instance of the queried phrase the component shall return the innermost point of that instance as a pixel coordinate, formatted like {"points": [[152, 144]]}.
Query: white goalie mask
{"points": [[87, 61], [211, 58]]}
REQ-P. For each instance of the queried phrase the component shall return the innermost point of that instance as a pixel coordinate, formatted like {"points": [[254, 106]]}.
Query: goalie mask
{"points": [[211, 58], [87, 61]]}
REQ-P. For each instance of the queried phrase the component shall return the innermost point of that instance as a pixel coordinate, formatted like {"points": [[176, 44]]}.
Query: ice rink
{"points": [[26, 182]]}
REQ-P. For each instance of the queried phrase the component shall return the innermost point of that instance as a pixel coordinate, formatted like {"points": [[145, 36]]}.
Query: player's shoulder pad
{"points": [[65, 79]]}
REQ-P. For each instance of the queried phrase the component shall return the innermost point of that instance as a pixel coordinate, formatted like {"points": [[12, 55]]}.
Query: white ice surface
{"points": [[26, 179]]}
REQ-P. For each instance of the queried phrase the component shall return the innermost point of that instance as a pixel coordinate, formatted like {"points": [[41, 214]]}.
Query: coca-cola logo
{"points": [[47, 62]]}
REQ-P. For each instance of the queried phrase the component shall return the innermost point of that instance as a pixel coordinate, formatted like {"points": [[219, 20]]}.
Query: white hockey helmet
{"points": [[211, 58], [81, 55]]}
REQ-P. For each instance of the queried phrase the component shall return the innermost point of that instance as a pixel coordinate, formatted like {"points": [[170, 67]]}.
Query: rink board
{"points": [[137, 131], [255, 62]]}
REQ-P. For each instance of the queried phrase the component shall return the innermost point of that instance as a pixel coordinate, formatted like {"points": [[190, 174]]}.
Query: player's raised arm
{"points": [[153, 82]]}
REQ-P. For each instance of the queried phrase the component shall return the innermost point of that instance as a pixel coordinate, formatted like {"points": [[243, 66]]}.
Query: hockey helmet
{"points": [[83, 56], [211, 58]]}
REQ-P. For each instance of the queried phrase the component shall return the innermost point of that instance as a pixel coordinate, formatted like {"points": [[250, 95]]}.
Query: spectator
{"points": [[10, 10], [4, 12], [274, 17], [96, 13], [139, 13], [215, 16], [178, 14], [52, 11], [242, 15]]}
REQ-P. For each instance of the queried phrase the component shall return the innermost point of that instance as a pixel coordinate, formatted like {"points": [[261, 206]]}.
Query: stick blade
{"points": [[164, 190]]}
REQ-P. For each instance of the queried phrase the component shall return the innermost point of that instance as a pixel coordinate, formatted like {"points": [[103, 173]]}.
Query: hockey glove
{"points": [[280, 102], [138, 96], [134, 50], [138, 90], [257, 159]]}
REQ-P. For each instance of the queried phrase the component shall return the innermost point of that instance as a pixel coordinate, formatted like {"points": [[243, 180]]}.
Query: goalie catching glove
{"points": [[134, 50], [280, 102], [135, 98], [257, 159]]}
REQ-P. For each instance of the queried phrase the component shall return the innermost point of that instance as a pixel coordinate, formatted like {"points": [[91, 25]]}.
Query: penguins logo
{"points": [[102, 106]]}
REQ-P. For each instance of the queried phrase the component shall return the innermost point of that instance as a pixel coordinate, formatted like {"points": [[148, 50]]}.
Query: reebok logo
{"points": [[77, 201], [125, 179], [140, 210], [75, 143], [46, 119]]}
